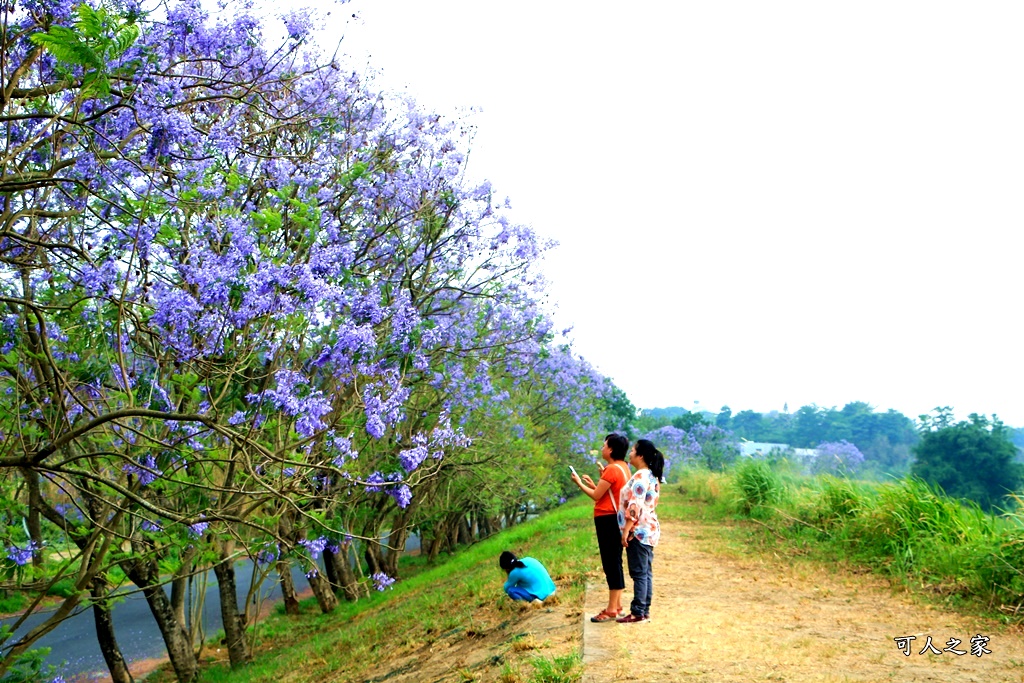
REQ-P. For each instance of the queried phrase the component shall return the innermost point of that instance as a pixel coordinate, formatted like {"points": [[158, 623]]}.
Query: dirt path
{"points": [[717, 619]]}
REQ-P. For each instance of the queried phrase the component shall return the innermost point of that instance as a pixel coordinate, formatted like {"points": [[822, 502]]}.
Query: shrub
{"points": [[840, 499], [757, 485], [703, 485], [64, 588], [11, 603]]}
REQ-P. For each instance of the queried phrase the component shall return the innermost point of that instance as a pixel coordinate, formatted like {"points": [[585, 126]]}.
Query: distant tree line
{"points": [[978, 459], [886, 438], [973, 459]]}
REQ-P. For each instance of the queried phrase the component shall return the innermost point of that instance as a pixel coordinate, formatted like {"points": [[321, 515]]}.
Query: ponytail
{"points": [[508, 561], [657, 464], [653, 458]]}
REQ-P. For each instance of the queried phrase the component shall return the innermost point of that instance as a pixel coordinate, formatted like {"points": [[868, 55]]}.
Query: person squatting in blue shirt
{"points": [[528, 580]]}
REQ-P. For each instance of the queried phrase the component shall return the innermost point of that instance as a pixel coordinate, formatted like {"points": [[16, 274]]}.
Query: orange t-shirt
{"points": [[616, 474]]}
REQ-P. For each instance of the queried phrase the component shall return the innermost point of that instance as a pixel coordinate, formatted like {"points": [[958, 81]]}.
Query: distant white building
{"points": [[805, 454], [761, 449]]}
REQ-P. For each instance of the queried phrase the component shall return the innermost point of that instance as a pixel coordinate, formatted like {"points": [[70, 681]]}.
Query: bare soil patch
{"points": [[498, 647]]}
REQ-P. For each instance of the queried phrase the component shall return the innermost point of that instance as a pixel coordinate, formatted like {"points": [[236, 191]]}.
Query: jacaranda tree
{"points": [[251, 309]]}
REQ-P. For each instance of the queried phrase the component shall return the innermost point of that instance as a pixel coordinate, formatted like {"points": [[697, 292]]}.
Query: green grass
{"points": [[557, 669], [435, 602]]}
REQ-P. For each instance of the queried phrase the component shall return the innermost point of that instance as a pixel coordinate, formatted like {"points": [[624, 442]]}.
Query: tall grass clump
{"points": [[841, 499], [999, 567], [906, 518], [704, 485], [836, 502], [757, 485]]}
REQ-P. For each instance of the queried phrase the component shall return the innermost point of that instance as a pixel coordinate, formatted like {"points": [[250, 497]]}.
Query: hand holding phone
{"points": [[573, 470]]}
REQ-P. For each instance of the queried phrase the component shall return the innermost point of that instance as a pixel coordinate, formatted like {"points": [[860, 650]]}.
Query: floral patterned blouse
{"points": [[637, 501]]}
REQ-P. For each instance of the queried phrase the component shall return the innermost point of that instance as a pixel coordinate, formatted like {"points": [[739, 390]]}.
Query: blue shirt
{"points": [[533, 578]]}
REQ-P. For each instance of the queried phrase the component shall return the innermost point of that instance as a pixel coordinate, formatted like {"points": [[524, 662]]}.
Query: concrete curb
{"points": [[599, 640]]}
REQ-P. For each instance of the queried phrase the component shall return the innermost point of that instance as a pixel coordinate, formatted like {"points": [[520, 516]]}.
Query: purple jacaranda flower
{"points": [[298, 23], [294, 396], [268, 554], [411, 458], [341, 447], [22, 555], [402, 495], [145, 470], [315, 546], [837, 457], [382, 581], [375, 481]]}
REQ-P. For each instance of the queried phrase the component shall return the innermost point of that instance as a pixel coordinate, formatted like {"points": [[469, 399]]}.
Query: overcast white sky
{"points": [[757, 203]]}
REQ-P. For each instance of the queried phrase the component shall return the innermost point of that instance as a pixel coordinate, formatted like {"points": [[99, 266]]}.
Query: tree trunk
{"points": [[396, 541], [234, 623], [341, 564], [105, 633], [146, 575], [180, 583], [487, 525], [331, 570], [373, 558], [465, 536], [453, 532], [435, 548], [325, 597], [437, 542], [35, 529], [291, 598]]}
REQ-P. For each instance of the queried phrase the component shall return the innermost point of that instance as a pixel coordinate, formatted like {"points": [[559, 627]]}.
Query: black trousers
{"points": [[609, 540]]}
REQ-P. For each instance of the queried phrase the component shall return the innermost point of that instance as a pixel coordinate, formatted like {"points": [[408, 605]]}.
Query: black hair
{"points": [[619, 445], [653, 458], [508, 561]]}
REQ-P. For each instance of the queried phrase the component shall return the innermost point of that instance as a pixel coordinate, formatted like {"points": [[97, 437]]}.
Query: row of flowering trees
{"points": [[249, 308]]}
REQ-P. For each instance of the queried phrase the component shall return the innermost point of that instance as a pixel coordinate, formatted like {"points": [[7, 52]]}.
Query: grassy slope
{"points": [[436, 600]]}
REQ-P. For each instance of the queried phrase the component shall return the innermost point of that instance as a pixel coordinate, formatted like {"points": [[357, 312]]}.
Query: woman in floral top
{"points": [[639, 525]]}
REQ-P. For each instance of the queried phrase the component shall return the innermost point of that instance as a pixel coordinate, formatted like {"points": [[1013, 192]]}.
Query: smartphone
{"points": [[572, 469]]}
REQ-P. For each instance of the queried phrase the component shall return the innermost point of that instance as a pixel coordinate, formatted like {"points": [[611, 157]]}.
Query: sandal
{"points": [[603, 616]]}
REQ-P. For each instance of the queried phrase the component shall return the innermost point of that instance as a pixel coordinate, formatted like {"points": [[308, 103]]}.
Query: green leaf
{"points": [[67, 47], [124, 39], [90, 22]]}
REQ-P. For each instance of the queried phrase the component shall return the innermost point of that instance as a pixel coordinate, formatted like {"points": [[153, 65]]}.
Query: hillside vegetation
{"points": [[458, 601]]}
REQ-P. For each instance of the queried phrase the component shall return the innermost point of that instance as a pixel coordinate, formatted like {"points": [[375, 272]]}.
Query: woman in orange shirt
{"points": [[606, 507]]}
